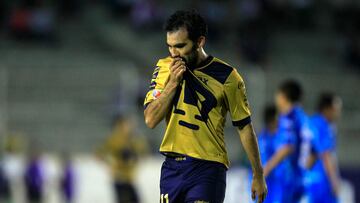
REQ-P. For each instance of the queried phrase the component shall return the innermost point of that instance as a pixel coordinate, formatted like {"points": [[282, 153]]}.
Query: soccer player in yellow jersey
{"points": [[193, 92]]}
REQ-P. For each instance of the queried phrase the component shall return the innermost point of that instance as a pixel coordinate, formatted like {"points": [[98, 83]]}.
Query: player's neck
{"points": [[327, 116], [202, 57], [288, 108]]}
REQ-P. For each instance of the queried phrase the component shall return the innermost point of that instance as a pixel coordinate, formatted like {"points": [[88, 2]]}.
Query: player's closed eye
{"points": [[179, 46]]}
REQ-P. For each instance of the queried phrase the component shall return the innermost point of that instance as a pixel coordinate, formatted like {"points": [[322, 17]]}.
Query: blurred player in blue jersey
{"points": [[193, 92], [267, 139], [292, 145], [323, 175]]}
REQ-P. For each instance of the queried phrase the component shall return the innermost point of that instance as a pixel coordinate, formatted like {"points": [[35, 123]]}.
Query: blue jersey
{"points": [[323, 141], [294, 129], [266, 141]]}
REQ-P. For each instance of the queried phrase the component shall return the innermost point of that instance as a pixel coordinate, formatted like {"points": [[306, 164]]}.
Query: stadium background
{"points": [[67, 67]]}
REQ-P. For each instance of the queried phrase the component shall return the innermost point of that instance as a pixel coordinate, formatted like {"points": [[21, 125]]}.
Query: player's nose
{"points": [[174, 53]]}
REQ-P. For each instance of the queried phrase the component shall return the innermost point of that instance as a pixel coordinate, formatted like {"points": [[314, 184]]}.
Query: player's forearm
{"points": [[331, 170], [311, 161], [277, 158], [251, 147], [157, 109]]}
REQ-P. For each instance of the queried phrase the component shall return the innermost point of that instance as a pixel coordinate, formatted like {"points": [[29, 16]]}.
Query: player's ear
{"points": [[201, 42]]}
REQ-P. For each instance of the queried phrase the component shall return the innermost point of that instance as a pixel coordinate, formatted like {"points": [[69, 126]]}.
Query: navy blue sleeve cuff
{"points": [[242, 123]]}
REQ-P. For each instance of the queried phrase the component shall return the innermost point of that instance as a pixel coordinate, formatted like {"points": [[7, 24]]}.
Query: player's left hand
{"points": [[258, 188]]}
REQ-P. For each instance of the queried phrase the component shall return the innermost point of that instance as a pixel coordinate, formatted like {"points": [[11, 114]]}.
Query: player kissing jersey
{"points": [[195, 124]]}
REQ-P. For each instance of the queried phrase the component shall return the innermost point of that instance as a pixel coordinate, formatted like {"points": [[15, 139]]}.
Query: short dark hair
{"points": [[292, 90], [326, 100], [269, 114], [191, 20]]}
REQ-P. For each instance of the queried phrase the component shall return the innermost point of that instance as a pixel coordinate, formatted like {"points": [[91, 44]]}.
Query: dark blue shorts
{"points": [[188, 180], [321, 193]]}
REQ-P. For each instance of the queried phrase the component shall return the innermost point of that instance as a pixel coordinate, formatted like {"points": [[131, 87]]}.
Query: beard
{"points": [[191, 58]]}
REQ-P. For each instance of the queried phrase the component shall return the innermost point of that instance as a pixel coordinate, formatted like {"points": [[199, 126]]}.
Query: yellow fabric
{"points": [[186, 133], [121, 152]]}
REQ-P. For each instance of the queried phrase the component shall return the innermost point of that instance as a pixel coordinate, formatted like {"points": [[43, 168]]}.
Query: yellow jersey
{"points": [[195, 124]]}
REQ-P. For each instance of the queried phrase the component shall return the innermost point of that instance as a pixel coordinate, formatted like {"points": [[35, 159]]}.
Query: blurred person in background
{"points": [[254, 42], [144, 15], [34, 177], [324, 174], [253, 32], [120, 8], [121, 151], [193, 92], [215, 13], [13, 164], [32, 20], [68, 180], [4, 183], [267, 139], [290, 150]]}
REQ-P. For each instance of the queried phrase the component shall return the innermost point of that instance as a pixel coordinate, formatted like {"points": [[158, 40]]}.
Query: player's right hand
{"points": [[177, 69]]}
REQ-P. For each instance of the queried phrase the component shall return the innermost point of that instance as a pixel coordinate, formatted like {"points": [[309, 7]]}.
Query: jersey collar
{"points": [[205, 62]]}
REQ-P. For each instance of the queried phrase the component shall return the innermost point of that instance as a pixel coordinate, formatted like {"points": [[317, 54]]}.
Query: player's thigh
{"points": [[207, 193], [208, 187], [170, 184]]}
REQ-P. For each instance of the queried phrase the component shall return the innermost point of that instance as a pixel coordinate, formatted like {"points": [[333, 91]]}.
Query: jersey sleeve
{"points": [[322, 140], [236, 100], [263, 146], [158, 81], [286, 132]]}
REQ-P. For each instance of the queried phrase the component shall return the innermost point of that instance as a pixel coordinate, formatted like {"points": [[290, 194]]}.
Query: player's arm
{"points": [[249, 141], [323, 145], [331, 169], [311, 160], [279, 156], [250, 144], [157, 109], [237, 103]]}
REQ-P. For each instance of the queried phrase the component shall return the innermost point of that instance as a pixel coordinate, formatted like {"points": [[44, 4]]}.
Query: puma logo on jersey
{"points": [[204, 80]]}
